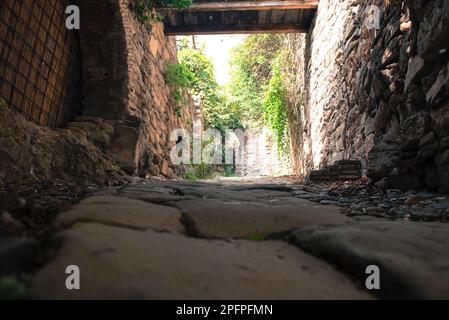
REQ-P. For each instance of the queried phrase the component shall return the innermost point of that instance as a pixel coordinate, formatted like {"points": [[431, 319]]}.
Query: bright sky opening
{"points": [[218, 47]]}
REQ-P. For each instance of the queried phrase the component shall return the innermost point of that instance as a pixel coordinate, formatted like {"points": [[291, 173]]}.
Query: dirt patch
{"points": [[31, 152], [43, 171]]}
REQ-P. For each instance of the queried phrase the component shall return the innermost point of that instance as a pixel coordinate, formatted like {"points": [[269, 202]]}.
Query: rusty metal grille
{"points": [[39, 61]]}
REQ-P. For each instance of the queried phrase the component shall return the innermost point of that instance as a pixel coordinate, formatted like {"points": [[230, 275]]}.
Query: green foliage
{"points": [[274, 106], [146, 13], [204, 171], [179, 78], [256, 237], [251, 71], [257, 86], [229, 170], [199, 172], [218, 113], [195, 73], [179, 4], [244, 97], [11, 289], [202, 68], [146, 16], [178, 75], [183, 42], [255, 56], [189, 175]]}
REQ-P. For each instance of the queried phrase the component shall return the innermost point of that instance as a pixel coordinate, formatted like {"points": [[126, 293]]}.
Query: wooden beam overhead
{"points": [[237, 29], [235, 16], [204, 5]]}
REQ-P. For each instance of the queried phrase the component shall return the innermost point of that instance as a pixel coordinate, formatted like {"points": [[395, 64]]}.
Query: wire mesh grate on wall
{"points": [[39, 61]]}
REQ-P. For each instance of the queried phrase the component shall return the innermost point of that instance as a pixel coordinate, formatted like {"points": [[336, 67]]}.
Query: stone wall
{"points": [[257, 154], [149, 102], [123, 81], [128, 110], [378, 95]]}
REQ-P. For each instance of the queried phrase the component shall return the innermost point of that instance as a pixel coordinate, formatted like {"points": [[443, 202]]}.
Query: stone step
{"points": [[348, 162], [339, 171]]}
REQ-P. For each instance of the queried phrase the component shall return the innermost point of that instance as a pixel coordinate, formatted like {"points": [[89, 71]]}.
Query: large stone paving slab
{"points": [[123, 212], [222, 219], [118, 263], [152, 193], [268, 186], [213, 191], [157, 198], [413, 257]]}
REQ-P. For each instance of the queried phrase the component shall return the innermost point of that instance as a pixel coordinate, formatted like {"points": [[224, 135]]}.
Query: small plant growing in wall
{"points": [[146, 10]]}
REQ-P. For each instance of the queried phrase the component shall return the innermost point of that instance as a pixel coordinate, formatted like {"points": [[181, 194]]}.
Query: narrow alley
{"points": [[224, 150]]}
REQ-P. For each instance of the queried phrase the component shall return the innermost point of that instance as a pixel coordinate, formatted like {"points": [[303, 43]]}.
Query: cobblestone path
{"points": [[237, 239]]}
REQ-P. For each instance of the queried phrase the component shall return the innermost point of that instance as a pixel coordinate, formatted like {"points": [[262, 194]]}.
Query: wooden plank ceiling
{"points": [[232, 16]]}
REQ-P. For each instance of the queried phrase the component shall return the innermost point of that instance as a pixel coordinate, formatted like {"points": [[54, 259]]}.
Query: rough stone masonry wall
{"points": [[150, 98], [128, 112], [123, 81], [378, 95], [258, 155]]}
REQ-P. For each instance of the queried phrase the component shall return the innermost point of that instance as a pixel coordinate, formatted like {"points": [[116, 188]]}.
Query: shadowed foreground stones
{"points": [[220, 219], [132, 249], [15, 253], [122, 212], [118, 263], [413, 257]]}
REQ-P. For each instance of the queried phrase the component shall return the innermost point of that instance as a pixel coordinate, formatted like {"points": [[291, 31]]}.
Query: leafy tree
{"points": [[256, 55], [257, 86], [202, 68], [244, 96], [218, 113]]}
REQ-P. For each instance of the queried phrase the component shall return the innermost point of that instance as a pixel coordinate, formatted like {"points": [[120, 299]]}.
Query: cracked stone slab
{"points": [[220, 219], [152, 193], [122, 212], [223, 193], [117, 263], [158, 198], [271, 187], [146, 189], [216, 193], [267, 193], [413, 257]]}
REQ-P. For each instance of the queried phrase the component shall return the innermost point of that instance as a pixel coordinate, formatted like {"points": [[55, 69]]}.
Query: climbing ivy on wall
{"points": [[274, 107]]}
